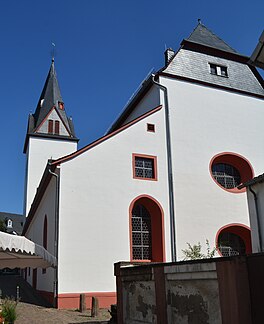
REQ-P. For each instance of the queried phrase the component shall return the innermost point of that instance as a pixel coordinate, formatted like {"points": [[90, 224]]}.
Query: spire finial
{"points": [[199, 21], [53, 52]]}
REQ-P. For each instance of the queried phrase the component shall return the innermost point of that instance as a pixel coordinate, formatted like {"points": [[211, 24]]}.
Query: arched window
{"points": [[229, 170], [141, 233], [226, 175], [234, 239], [146, 230]]}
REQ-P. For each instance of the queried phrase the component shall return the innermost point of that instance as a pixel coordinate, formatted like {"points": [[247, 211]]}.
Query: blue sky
{"points": [[104, 49]]}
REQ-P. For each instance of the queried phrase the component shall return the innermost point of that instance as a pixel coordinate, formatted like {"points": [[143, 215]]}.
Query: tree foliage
{"points": [[2, 226], [194, 252]]}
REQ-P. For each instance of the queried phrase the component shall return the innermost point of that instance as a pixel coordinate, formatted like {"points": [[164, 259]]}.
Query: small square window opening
{"points": [[218, 70], [151, 128]]}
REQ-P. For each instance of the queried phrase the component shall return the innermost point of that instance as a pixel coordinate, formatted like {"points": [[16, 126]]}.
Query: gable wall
{"points": [[35, 233], [39, 151], [148, 102], [97, 188], [206, 122], [53, 116]]}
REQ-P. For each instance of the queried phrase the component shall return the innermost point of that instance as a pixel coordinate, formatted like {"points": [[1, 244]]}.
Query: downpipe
{"points": [[56, 236], [257, 214], [170, 174]]}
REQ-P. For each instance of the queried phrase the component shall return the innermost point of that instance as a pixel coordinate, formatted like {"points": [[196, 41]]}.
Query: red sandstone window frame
{"points": [[151, 128], [152, 157], [243, 166], [57, 127], [50, 126]]}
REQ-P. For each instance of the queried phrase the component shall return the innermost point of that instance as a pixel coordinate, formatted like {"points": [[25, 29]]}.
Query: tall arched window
{"points": [[146, 230], [141, 233]]}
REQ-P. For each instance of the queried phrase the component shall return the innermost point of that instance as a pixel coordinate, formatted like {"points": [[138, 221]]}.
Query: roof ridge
{"points": [[211, 39]]}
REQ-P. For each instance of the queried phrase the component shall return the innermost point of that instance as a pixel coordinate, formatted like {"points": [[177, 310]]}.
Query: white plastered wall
{"points": [[204, 122], [148, 102], [39, 151], [35, 233], [97, 189]]}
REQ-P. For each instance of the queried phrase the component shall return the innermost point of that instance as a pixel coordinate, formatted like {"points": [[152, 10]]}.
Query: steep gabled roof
{"points": [[50, 98], [202, 35]]}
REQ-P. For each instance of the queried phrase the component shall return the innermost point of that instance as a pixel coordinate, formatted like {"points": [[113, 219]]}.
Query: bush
{"points": [[194, 252], [9, 310]]}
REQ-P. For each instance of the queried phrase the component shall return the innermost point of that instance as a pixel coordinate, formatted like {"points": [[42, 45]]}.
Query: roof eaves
{"points": [[212, 85], [145, 86], [195, 46], [253, 181], [39, 194], [257, 56], [104, 138]]}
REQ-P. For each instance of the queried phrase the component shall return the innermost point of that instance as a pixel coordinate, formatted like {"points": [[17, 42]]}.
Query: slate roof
{"points": [[49, 98], [202, 35], [202, 48], [17, 222]]}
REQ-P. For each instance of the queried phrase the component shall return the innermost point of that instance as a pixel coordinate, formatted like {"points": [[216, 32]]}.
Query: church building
{"points": [[166, 172]]}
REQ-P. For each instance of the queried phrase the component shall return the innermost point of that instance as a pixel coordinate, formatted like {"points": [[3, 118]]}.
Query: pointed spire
{"points": [[49, 100], [202, 35], [50, 96]]}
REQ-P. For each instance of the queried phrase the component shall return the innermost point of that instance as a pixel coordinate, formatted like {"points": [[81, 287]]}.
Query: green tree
{"points": [[194, 252], [2, 226]]}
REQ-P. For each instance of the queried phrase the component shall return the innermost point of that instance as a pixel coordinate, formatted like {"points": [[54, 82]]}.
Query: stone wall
{"points": [[220, 290]]}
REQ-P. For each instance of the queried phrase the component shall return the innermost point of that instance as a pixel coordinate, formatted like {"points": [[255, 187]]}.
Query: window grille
{"points": [[141, 233], [231, 244], [226, 175], [144, 167]]}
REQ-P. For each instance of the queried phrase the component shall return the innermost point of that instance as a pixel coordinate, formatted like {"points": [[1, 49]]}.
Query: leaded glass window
{"points": [[144, 167], [231, 244], [141, 233], [226, 175]]}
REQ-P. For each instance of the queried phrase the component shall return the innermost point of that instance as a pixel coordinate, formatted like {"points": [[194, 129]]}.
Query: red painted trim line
{"points": [[239, 229], [158, 243], [152, 157], [72, 300], [104, 138], [151, 128], [243, 166]]}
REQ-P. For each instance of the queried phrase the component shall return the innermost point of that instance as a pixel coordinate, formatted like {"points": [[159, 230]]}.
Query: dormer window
{"points": [[61, 105], [9, 223], [219, 70]]}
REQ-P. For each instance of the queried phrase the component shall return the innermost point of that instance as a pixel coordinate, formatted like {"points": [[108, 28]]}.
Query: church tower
{"points": [[50, 135]]}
